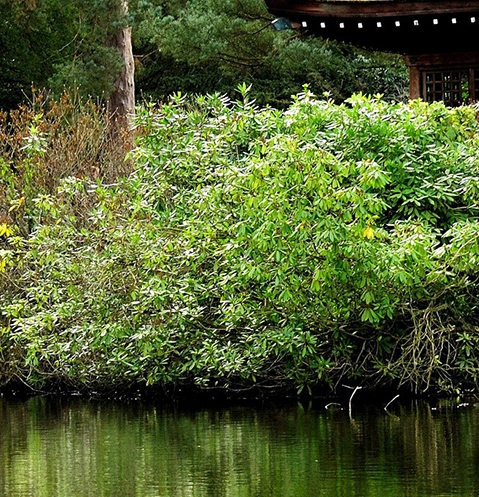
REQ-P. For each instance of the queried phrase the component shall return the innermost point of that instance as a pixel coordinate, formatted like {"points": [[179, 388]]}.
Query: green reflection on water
{"points": [[73, 447]]}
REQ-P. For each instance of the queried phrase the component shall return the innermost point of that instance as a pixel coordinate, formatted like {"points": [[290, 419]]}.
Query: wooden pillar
{"points": [[414, 81]]}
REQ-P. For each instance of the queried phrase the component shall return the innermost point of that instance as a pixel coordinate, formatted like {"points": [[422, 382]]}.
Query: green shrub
{"points": [[252, 246]]}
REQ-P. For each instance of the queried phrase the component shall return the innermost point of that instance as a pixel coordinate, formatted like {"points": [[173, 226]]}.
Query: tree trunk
{"points": [[121, 103]]}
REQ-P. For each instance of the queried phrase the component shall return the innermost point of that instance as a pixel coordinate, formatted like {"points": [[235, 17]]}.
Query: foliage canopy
{"points": [[196, 46]]}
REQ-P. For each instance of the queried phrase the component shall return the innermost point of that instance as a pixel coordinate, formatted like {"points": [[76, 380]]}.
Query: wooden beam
{"points": [[443, 60], [368, 8]]}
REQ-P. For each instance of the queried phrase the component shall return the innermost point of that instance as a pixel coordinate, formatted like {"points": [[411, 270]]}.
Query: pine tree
{"points": [[78, 45], [121, 102], [193, 46]]}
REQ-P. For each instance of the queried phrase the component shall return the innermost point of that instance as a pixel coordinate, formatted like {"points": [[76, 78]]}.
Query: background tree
{"points": [[212, 45], [35, 38], [197, 47], [77, 45], [121, 101]]}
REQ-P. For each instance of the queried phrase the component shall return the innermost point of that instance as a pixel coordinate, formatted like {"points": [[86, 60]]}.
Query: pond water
{"points": [[69, 447]]}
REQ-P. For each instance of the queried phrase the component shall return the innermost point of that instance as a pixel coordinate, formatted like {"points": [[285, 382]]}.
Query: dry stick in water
{"points": [[390, 402], [333, 404], [352, 395]]}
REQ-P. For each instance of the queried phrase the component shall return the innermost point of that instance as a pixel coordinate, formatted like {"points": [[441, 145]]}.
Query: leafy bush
{"points": [[253, 246], [47, 141]]}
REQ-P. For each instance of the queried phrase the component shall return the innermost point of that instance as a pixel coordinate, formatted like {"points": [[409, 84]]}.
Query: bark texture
{"points": [[121, 103]]}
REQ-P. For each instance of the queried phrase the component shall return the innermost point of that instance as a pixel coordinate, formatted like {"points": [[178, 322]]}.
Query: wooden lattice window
{"points": [[453, 86]]}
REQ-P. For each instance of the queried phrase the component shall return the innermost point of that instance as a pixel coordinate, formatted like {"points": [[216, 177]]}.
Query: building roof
{"points": [[402, 26]]}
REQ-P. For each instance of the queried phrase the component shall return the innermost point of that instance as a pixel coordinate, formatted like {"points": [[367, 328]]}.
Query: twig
{"points": [[390, 402], [332, 404], [352, 395]]}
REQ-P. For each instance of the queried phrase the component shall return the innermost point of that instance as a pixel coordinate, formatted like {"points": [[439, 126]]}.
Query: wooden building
{"points": [[439, 38]]}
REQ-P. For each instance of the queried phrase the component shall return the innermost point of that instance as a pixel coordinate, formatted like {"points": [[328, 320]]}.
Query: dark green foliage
{"points": [[56, 45], [195, 47], [207, 46], [30, 42], [251, 246]]}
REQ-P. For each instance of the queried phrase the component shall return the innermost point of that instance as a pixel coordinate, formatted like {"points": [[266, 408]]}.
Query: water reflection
{"points": [[72, 447]]}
